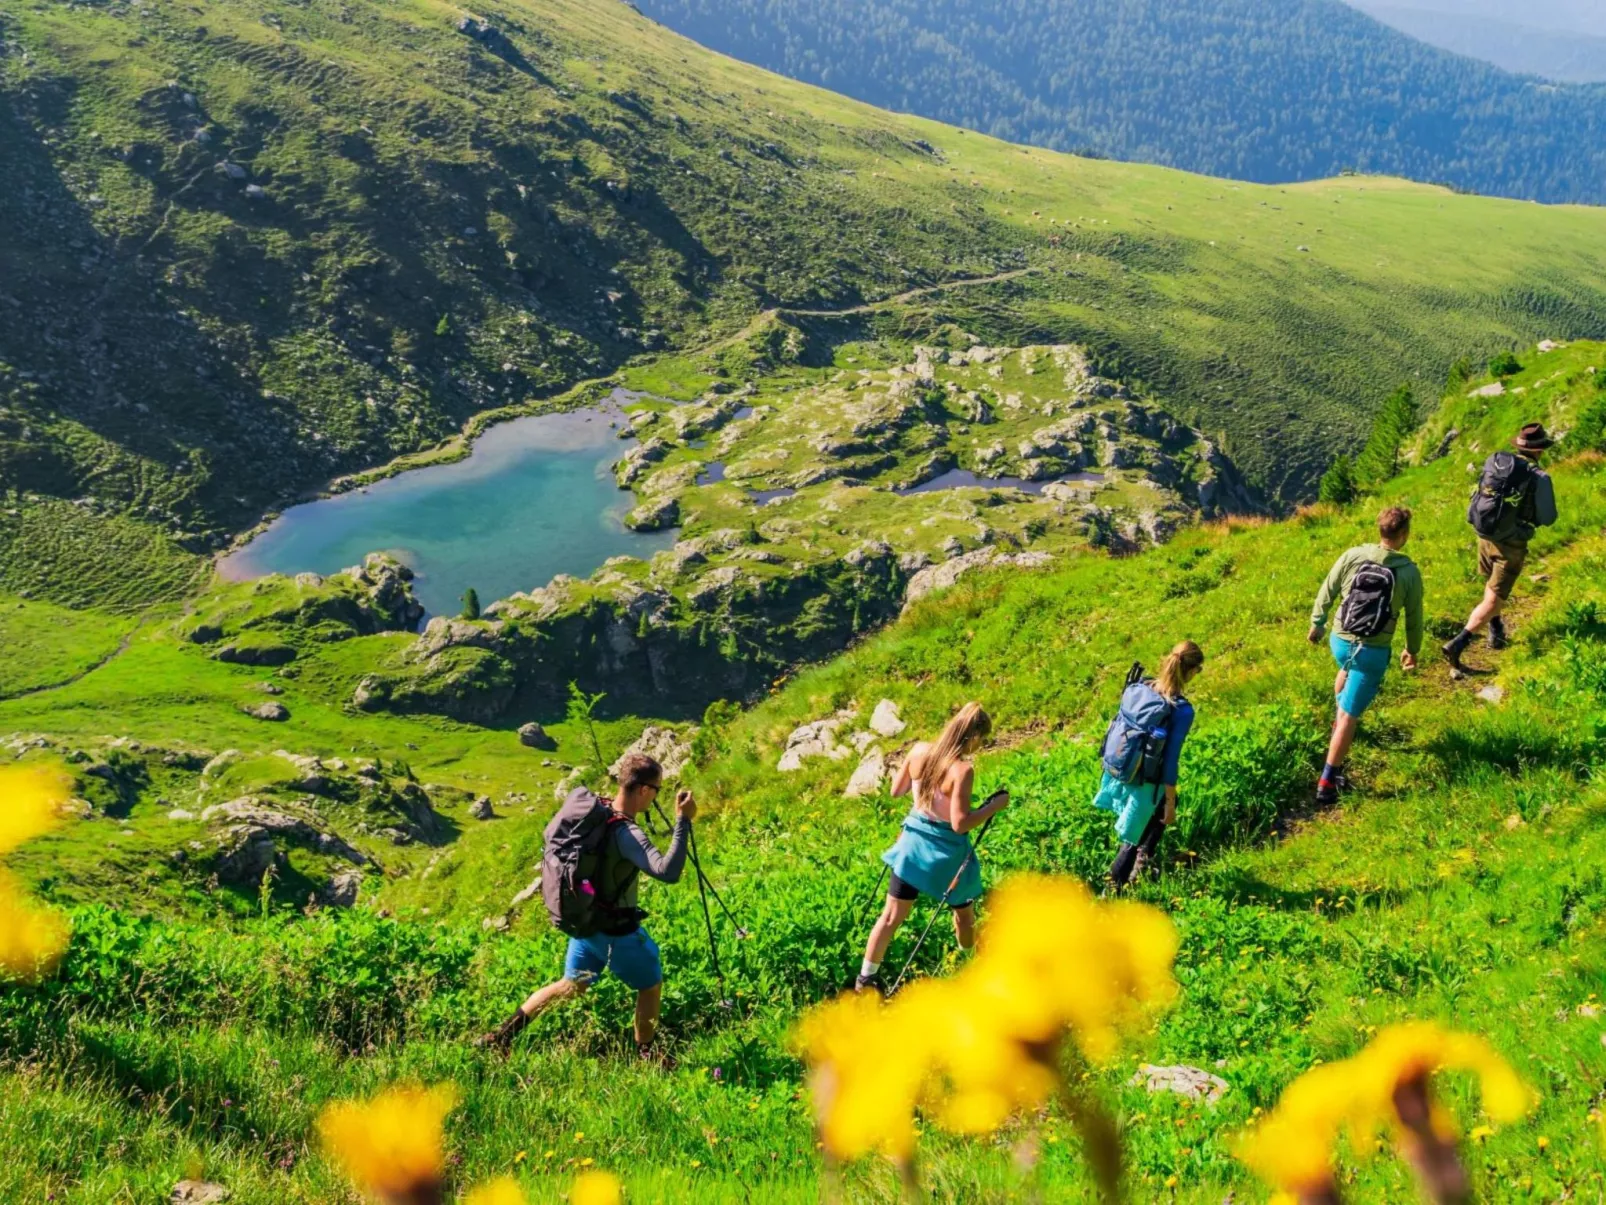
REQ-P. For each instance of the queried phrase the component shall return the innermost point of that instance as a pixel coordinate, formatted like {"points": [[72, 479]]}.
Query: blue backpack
{"points": [[1134, 746]]}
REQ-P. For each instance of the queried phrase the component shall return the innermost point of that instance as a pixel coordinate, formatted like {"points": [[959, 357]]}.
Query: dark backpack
{"points": [[1134, 746], [1501, 496], [579, 850], [1369, 606]]}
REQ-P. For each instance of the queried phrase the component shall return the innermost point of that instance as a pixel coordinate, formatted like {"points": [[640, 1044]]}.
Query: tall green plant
{"points": [[1380, 458], [1338, 483], [582, 710]]}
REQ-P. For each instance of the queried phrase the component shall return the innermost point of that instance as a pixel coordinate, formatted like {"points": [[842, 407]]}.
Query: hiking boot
{"points": [[1326, 794], [1452, 654], [656, 1056], [870, 983], [501, 1038], [1497, 636]]}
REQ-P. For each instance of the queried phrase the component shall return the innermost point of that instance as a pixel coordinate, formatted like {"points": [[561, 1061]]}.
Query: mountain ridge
{"points": [[1271, 92]]}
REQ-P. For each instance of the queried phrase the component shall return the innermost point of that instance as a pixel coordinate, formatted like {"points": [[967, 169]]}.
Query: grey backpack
{"points": [[573, 868]]}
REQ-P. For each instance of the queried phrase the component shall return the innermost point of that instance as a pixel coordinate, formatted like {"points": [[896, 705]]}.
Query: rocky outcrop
{"points": [[668, 748], [885, 719], [816, 739], [271, 710], [868, 776], [533, 736], [1191, 1082], [940, 577]]}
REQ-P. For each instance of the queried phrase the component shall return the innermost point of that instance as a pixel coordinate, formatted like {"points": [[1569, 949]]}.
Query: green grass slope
{"points": [[1460, 880], [256, 244]]}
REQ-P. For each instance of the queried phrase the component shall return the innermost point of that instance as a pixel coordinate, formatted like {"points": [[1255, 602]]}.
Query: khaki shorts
{"points": [[1501, 565]]}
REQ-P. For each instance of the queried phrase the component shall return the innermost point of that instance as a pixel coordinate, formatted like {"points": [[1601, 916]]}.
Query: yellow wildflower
{"points": [[1292, 1148], [596, 1188], [985, 1044], [32, 938], [30, 803], [504, 1190], [867, 1072], [392, 1144]]}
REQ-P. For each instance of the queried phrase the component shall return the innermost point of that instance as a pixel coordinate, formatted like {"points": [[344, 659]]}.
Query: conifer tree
{"points": [[471, 603]]}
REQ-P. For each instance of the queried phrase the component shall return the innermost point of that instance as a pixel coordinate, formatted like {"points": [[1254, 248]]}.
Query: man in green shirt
{"points": [[1373, 586]]}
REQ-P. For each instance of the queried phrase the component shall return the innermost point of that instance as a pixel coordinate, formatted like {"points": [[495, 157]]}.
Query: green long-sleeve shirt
{"points": [[1407, 594]]}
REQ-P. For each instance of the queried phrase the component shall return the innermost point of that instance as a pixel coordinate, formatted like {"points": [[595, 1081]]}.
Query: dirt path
{"points": [[122, 647], [764, 316]]}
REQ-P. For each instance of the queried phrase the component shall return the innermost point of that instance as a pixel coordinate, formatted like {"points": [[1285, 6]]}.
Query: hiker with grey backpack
{"points": [[1512, 500], [1141, 755], [1373, 585], [595, 855]]}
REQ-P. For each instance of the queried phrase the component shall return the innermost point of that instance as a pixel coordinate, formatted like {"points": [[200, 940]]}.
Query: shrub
{"points": [[1338, 483], [1589, 432], [1505, 364]]}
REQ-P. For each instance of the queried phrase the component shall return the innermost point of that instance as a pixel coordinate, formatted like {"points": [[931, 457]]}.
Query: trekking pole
{"points": [[874, 895], [703, 881], [713, 945], [937, 911]]}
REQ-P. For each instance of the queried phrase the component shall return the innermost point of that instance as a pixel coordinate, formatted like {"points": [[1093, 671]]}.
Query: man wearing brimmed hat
{"points": [[1514, 498]]}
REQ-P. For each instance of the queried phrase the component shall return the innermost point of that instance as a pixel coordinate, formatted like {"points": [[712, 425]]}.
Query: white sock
{"points": [[868, 968]]}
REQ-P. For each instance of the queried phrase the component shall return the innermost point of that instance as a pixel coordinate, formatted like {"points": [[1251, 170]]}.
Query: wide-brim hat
{"points": [[1533, 438]]}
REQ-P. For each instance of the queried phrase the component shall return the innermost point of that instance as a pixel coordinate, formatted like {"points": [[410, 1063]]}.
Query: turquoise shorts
{"points": [[1365, 667], [633, 957]]}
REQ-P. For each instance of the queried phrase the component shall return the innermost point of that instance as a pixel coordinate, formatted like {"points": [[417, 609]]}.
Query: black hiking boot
{"points": [[1497, 636], [501, 1038], [1326, 794], [870, 983], [1452, 654]]}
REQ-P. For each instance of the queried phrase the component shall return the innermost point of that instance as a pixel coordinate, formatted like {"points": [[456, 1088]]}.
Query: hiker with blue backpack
{"points": [[1372, 585], [1512, 500], [595, 855], [1142, 752]]}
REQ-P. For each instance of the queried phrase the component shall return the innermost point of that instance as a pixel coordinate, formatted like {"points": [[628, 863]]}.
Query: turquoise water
{"points": [[535, 499]]}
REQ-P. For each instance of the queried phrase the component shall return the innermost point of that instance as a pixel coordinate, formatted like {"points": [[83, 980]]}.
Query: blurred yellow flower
{"points": [[504, 1190], [30, 803], [1292, 1148], [985, 1044], [392, 1144], [32, 938], [596, 1188]]}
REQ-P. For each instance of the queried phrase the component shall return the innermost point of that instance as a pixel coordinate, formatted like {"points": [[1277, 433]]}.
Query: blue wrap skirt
{"points": [[927, 856]]}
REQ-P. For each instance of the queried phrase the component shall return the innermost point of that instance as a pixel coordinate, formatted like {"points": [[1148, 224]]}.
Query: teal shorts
{"points": [[1365, 667]]}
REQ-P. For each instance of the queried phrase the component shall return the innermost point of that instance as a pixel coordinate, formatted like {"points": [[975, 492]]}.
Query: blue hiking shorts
{"points": [[633, 957], [1365, 666]]}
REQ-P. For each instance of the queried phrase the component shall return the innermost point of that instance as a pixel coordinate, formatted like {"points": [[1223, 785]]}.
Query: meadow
{"points": [[198, 1030]]}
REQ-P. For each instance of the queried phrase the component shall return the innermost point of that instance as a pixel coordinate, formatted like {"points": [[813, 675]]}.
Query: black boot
{"points": [[1453, 649], [1497, 634], [502, 1038]]}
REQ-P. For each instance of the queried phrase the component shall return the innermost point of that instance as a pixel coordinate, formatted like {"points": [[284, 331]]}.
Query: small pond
{"points": [[534, 499], [955, 479]]}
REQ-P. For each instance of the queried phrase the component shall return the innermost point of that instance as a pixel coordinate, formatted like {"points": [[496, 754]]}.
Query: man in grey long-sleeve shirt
{"points": [[622, 945], [1503, 552]]}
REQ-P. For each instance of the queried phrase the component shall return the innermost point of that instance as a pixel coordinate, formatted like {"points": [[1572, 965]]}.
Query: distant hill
{"points": [[1268, 90], [1526, 43]]}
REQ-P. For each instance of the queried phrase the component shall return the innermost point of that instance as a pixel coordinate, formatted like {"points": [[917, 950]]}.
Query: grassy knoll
{"points": [[1460, 880], [262, 244], [47, 645]]}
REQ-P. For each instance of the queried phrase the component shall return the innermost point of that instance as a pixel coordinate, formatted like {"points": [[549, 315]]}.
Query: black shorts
{"points": [[899, 890]]}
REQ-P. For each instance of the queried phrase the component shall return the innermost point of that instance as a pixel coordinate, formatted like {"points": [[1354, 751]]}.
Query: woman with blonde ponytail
{"points": [[934, 850], [1140, 820]]}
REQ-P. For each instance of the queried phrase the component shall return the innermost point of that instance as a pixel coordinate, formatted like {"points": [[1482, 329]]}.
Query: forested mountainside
{"points": [[1552, 54], [254, 245], [1268, 90]]}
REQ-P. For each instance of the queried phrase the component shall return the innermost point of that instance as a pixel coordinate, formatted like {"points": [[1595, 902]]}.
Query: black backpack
{"points": [[1501, 496], [1135, 743], [573, 868], [1369, 606]]}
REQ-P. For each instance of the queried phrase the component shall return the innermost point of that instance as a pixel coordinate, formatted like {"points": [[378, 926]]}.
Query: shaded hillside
{"points": [[1253, 89], [252, 247]]}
